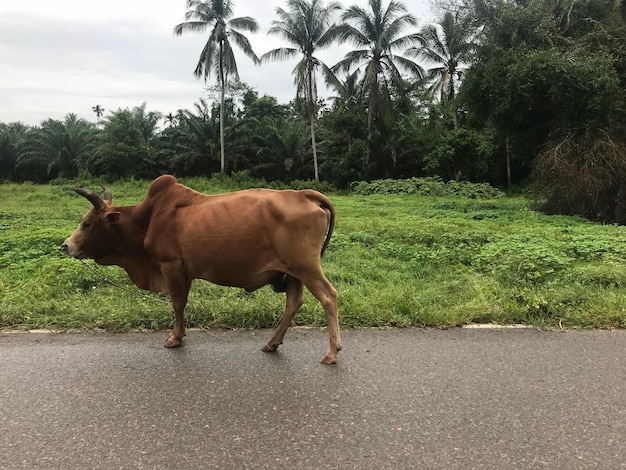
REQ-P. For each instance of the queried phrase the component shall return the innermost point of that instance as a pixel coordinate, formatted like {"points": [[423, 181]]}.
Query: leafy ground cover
{"points": [[397, 259]]}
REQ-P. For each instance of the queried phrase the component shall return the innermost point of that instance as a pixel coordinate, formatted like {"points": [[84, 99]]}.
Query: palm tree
{"points": [[195, 136], [170, 120], [305, 25], [99, 110], [378, 34], [147, 122], [348, 91], [12, 137], [63, 147], [218, 56], [283, 150], [448, 46]]}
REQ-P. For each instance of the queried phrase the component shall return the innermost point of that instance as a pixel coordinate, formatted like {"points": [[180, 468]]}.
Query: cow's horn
{"points": [[108, 197], [92, 197]]}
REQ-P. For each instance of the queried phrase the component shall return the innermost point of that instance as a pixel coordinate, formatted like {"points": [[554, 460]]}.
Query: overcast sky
{"points": [[66, 56]]}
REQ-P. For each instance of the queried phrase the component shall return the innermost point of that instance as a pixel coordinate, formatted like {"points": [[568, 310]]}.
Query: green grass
{"points": [[396, 260]]}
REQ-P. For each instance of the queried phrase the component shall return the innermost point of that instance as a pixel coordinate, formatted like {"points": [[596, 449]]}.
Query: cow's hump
{"points": [[161, 183]]}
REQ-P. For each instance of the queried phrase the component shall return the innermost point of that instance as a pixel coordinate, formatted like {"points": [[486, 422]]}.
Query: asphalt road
{"points": [[397, 399]]}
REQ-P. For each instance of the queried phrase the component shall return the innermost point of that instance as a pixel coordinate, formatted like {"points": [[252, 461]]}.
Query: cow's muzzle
{"points": [[65, 248]]}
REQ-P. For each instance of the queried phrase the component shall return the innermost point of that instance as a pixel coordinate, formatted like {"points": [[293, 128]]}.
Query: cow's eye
{"points": [[86, 225]]}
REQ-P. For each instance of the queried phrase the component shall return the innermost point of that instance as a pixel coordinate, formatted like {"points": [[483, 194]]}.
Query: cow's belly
{"points": [[247, 282], [244, 262]]}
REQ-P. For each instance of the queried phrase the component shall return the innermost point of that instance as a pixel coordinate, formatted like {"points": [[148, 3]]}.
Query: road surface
{"points": [[397, 399]]}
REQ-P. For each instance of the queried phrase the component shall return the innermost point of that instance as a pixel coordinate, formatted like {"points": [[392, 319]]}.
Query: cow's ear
{"points": [[113, 217]]}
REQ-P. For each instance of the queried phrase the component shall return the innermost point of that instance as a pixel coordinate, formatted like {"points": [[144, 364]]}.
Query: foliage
{"points": [[57, 148], [191, 146], [378, 33], [430, 186], [306, 26], [217, 56], [448, 49], [584, 175], [460, 153], [536, 76], [125, 147], [12, 137]]}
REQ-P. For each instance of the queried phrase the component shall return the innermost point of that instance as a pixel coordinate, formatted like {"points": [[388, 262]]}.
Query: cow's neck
{"points": [[130, 253], [131, 230]]}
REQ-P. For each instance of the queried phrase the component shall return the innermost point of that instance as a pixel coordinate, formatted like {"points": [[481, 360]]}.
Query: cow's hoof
{"points": [[328, 360], [173, 342], [269, 347]]}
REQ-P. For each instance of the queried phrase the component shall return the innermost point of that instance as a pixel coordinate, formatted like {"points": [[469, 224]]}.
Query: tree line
{"points": [[528, 92]]}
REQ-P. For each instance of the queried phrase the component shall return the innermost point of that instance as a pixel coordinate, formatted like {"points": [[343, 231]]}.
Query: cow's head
{"points": [[93, 237]]}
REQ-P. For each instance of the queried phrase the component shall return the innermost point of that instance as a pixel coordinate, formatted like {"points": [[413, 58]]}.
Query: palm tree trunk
{"points": [[370, 124], [310, 107], [223, 93], [313, 146], [222, 159]]}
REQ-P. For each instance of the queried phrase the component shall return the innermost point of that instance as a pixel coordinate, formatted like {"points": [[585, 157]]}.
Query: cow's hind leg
{"points": [[295, 297], [179, 291], [324, 291]]}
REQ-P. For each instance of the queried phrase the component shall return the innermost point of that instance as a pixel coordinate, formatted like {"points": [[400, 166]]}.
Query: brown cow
{"points": [[244, 239]]}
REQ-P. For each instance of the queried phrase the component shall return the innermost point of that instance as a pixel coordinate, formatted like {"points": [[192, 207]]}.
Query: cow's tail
{"points": [[330, 213]]}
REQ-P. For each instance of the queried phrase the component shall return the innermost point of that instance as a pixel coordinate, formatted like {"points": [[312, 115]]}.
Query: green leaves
{"points": [[433, 186]]}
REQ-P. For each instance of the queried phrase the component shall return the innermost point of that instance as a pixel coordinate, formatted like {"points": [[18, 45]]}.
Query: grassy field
{"points": [[396, 260]]}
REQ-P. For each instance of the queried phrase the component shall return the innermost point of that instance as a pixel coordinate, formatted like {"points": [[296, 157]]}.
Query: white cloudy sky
{"points": [[64, 56]]}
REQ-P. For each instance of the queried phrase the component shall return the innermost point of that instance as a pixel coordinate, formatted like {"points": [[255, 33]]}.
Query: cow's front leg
{"points": [[179, 290]]}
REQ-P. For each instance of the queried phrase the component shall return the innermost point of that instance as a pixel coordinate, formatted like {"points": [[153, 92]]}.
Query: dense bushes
{"points": [[430, 186], [583, 175]]}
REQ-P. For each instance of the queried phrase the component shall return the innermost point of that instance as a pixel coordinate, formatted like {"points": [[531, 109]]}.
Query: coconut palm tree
{"points": [[217, 55], [379, 34], [307, 26], [448, 47], [347, 91], [171, 120], [99, 110]]}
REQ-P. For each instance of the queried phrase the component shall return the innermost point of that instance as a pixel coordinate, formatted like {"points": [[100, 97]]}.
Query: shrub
{"points": [[582, 175], [429, 186]]}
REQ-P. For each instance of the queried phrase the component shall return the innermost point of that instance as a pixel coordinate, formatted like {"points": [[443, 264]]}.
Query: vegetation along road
{"points": [[404, 253]]}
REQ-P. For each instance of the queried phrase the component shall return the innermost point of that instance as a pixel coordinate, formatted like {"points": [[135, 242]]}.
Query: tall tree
{"points": [[307, 26], [448, 48], [99, 110], [545, 69], [379, 33], [217, 55], [171, 120]]}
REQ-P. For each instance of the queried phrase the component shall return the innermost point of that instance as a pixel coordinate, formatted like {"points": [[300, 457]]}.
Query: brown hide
{"points": [[245, 239]]}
